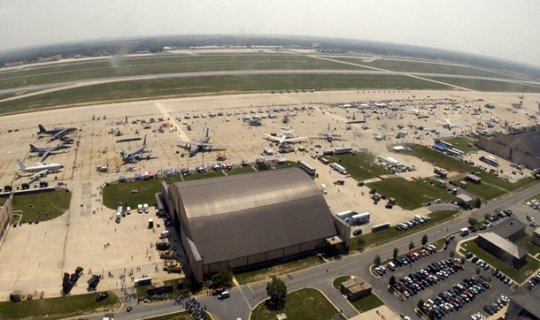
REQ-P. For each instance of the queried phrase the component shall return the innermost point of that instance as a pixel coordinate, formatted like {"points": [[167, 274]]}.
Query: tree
{"points": [[377, 260], [473, 221], [392, 281], [477, 203], [424, 239], [411, 245], [222, 279], [277, 291], [420, 304], [487, 216], [396, 252]]}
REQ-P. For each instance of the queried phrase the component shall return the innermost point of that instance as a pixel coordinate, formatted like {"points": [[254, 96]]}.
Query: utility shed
{"points": [[355, 288], [245, 220]]}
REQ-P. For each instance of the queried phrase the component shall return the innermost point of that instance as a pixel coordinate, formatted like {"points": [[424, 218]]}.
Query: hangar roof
{"points": [[236, 216]]}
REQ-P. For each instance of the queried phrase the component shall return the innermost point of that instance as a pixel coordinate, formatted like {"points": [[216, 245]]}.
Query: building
{"points": [[465, 200], [523, 148], [511, 229], [355, 288], [536, 236], [6, 216], [502, 248], [242, 221], [524, 306]]}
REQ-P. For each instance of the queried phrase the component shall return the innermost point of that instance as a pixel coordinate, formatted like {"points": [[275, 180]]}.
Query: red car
{"points": [[217, 291]]}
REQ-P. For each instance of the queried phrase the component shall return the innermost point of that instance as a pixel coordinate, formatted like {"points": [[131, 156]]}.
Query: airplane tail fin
{"points": [[41, 129], [32, 147], [144, 141], [21, 165]]}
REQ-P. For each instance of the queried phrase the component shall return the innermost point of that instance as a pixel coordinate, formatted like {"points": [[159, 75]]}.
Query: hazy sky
{"points": [[499, 28]]}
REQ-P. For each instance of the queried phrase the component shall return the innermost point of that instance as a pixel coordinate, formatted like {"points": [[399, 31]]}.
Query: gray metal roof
{"points": [[528, 300], [509, 247], [236, 216], [508, 228]]}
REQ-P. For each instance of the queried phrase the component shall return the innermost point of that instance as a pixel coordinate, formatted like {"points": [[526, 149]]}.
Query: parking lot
{"points": [[435, 274]]}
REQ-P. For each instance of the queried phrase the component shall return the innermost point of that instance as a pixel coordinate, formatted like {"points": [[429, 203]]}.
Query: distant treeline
{"points": [[156, 44]]}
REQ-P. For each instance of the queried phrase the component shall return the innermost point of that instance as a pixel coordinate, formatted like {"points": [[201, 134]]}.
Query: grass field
{"points": [[437, 158], [381, 237], [304, 304], [425, 67], [451, 164], [116, 194], [361, 165], [518, 275], [57, 308], [526, 242], [160, 64], [277, 270], [410, 194], [367, 303], [149, 89], [42, 206], [488, 85], [339, 280], [462, 143], [484, 191]]}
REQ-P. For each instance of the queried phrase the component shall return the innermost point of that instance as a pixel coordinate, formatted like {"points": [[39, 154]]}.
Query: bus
{"points": [[307, 168], [380, 227]]}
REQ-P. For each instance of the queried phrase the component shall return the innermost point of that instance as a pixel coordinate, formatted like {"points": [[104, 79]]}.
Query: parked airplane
{"points": [[45, 151], [55, 133], [203, 145], [38, 167], [447, 124], [287, 137], [329, 135], [135, 155]]}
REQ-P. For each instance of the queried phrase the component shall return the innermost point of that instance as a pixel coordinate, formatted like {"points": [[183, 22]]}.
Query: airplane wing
{"points": [[272, 138], [296, 139], [44, 155]]}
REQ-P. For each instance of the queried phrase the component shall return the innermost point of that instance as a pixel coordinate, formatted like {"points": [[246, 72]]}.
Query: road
{"points": [[244, 298], [47, 88]]}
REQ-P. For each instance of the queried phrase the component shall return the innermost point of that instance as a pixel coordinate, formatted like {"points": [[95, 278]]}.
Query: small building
{"points": [[503, 249], [524, 305], [536, 236], [511, 229], [464, 200], [473, 178], [355, 288]]}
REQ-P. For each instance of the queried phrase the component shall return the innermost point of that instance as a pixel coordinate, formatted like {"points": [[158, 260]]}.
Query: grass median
{"points": [[277, 269], [304, 304], [360, 165], [58, 308], [381, 237]]}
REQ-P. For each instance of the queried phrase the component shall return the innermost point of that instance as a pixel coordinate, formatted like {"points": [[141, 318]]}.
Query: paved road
{"points": [[46, 88], [246, 297]]}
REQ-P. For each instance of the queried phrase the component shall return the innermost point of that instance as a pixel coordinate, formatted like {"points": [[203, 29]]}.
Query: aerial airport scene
{"points": [[258, 177]]}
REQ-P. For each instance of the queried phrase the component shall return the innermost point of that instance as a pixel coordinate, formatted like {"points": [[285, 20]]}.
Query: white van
{"points": [[128, 210], [139, 208], [323, 188], [464, 231], [145, 207]]}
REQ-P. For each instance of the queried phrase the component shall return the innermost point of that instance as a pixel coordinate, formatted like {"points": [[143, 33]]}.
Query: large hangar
{"points": [[246, 220]]}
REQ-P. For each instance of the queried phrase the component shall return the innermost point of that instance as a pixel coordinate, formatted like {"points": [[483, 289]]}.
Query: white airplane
{"points": [[447, 124], [287, 137], [39, 167], [38, 175]]}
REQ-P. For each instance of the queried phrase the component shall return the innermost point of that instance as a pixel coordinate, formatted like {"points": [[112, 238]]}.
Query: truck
{"points": [[360, 218], [323, 188], [464, 231]]}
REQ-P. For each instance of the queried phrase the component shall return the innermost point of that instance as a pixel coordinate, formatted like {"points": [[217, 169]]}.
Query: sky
{"points": [[497, 28]]}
